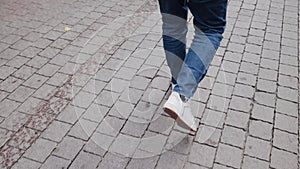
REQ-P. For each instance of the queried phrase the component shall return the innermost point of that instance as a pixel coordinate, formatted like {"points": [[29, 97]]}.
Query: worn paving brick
{"points": [[206, 152], [249, 163], [171, 157], [83, 129], [56, 131], [113, 161], [98, 144], [40, 150], [26, 163], [260, 129], [233, 136], [285, 141], [286, 107], [258, 148], [54, 162], [279, 159], [68, 148], [228, 155], [85, 160], [213, 118], [286, 123]]}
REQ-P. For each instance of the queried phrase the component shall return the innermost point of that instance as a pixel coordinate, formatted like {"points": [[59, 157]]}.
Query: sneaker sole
{"points": [[177, 118]]}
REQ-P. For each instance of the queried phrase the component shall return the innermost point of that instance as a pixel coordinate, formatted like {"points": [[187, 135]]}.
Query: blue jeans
{"points": [[189, 68]]}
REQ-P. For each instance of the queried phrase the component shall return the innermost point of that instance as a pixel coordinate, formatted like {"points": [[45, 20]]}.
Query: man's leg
{"points": [[209, 22], [174, 16]]}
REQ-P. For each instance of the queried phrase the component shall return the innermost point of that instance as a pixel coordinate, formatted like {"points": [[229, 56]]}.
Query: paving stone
{"points": [[213, 118], [139, 82], [248, 67], [287, 94], [237, 119], [9, 53], [125, 73], [153, 96], [268, 74], [133, 128], [37, 62], [107, 98], [249, 163], [58, 79], [70, 114], [153, 144], [218, 103], [222, 90], [246, 79], [56, 131], [110, 126], [7, 107], [26, 163], [269, 64], [287, 81], [121, 109], [6, 71], [285, 141], [233, 136], [243, 90], [48, 70], [83, 99], [95, 113], [260, 129], [288, 70], [35, 81], [98, 144], [142, 162], [286, 107], [227, 78], [286, 123], [17, 61], [54, 162], [170, 157], [267, 86], [279, 159], [113, 161], [228, 155], [85, 160], [206, 153], [258, 148], [161, 125], [68, 148], [125, 145], [21, 94], [117, 85], [240, 104], [40, 150], [265, 99], [83, 129]]}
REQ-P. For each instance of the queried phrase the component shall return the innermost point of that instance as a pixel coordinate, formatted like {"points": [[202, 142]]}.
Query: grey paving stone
{"points": [[83, 129], [40, 150], [179, 142], [83, 99], [110, 126], [287, 81], [265, 99], [279, 159], [48, 70], [258, 148], [98, 144], [170, 157], [226, 77], [152, 144], [222, 90], [286, 123], [113, 161], [58, 79], [285, 141], [237, 119], [233, 136], [213, 118], [247, 79], [125, 145], [60, 59], [243, 90], [288, 70], [9, 53], [117, 85], [7, 107], [56, 131], [142, 162], [287, 94], [54, 162], [68, 148], [37, 62], [85, 160], [162, 124], [17, 61], [107, 98], [6, 71], [240, 104], [26, 163], [249, 163], [153, 96], [134, 128], [286, 107], [206, 154], [21, 94], [218, 103], [260, 129], [228, 155], [70, 114], [266, 85]]}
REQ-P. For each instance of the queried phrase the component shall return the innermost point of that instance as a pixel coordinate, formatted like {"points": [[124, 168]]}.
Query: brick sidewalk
{"points": [[91, 97]]}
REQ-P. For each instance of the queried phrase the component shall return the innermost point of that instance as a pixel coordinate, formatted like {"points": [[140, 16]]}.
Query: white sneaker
{"points": [[180, 111]]}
